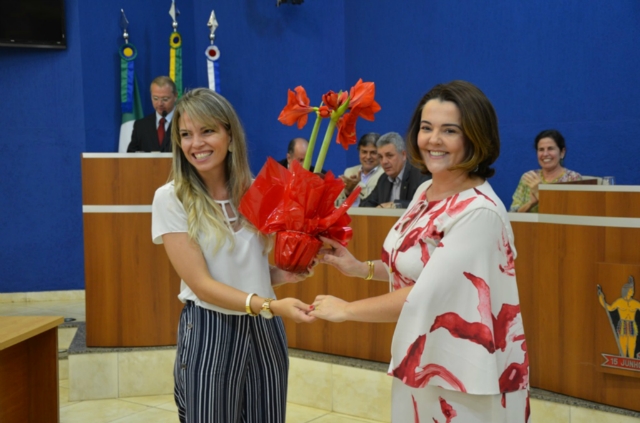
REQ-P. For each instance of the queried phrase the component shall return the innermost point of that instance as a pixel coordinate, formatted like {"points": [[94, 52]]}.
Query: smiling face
{"points": [[549, 154], [368, 157], [205, 147], [440, 138]]}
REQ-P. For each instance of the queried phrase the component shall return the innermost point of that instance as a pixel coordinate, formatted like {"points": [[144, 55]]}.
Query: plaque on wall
{"points": [[618, 319]]}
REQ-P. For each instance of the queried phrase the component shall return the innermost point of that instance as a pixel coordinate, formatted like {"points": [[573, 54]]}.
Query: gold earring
{"points": [[230, 149]]}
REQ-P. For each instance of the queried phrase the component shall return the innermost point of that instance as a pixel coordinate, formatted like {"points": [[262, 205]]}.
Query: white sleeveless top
{"points": [[245, 267]]}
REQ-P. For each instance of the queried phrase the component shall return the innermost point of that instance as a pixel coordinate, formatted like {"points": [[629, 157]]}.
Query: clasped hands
{"points": [[328, 307], [351, 182], [324, 307], [532, 180]]}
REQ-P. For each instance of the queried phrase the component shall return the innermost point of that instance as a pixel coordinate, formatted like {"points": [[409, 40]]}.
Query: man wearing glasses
{"points": [[153, 132]]}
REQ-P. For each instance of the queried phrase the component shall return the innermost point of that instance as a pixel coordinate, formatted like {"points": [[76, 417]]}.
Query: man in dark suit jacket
{"points": [[296, 150], [396, 188], [146, 131]]}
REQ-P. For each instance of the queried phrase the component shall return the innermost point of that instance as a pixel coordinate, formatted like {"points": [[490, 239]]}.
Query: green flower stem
{"points": [[312, 142], [335, 117], [325, 144]]}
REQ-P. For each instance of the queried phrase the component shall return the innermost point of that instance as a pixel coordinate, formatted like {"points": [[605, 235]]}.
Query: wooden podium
{"points": [[583, 236], [131, 288]]}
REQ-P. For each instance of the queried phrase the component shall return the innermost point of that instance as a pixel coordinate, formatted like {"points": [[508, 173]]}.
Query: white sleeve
{"points": [[167, 214]]}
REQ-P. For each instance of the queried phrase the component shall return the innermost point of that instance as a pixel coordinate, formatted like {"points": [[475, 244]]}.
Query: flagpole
{"points": [[213, 54], [175, 50], [130, 106]]}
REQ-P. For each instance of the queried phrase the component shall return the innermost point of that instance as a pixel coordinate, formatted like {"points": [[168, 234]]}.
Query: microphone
{"points": [[164, 113]]}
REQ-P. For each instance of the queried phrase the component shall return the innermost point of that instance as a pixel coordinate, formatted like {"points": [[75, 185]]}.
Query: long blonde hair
{"points": [[204, 215]]}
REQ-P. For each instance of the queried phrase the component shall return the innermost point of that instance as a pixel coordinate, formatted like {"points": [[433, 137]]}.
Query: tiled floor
{"points": [[151, 409], [160, 409]]}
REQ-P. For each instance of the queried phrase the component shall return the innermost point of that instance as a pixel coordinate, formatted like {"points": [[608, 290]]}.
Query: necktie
{"points": [[161, 130]]}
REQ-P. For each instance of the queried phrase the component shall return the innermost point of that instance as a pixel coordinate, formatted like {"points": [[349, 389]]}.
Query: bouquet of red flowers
{"points": [[299, 205]]}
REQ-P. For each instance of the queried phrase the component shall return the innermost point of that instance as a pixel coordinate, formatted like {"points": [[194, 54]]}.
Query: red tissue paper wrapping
{"points": [[297, 205]]}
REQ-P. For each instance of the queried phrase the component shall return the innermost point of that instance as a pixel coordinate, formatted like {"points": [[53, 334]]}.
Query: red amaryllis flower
{"points": [[324, 111], [347, 130], [362, 99], [334, 100], [297, 108]]}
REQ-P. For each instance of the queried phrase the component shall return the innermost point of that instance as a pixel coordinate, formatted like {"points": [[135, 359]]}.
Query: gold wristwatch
{"points": [[265, 310]]}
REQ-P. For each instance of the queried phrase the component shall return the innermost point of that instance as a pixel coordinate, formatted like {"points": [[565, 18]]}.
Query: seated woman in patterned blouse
{"points": [[551, 150]]}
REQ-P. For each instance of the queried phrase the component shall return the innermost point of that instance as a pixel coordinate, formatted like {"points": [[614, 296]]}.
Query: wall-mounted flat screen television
{"points": [[33, 23]]}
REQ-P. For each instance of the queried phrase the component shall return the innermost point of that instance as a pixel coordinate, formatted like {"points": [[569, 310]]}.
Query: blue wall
{"points": [[572, 65]]}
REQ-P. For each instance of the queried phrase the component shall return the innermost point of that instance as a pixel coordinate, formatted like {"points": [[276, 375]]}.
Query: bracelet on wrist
{"points": [[372, 268], [247, 305]]}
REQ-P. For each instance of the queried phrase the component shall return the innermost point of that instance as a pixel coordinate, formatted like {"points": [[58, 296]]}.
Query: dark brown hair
{"points": [[479, 126]]}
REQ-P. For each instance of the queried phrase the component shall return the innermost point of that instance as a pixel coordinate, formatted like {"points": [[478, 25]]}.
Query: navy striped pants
{"points": [[230, 368]]}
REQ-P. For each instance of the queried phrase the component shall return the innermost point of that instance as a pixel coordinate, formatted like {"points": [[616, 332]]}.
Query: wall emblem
{"points": [[624, 317]]}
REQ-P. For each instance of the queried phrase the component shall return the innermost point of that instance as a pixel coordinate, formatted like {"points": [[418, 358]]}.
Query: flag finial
{"points": [[124, 24], [212, 24], [174, 13]]}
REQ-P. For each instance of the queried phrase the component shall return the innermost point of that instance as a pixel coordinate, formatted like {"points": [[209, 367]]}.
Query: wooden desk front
{"points": [[29, 369], [132, 289], [561, 251]]}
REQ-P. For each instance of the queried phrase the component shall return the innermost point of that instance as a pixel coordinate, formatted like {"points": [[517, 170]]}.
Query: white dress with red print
{"points": [[458, 351]]}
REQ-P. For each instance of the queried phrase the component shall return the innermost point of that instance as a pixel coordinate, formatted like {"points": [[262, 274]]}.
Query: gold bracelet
{"points": [[247, 305], [372, 268]]}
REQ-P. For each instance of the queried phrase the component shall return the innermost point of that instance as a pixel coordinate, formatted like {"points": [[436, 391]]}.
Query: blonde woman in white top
{"points": [[231, 362]]}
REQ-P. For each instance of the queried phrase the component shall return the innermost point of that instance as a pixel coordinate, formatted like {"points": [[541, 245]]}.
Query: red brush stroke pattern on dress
{"points": [[416, 416], [451, 207], [510, 268], [500, 335], [448, 411], [480, 333], [412, 213], [516, 376], [411, 374], [484, 195]]}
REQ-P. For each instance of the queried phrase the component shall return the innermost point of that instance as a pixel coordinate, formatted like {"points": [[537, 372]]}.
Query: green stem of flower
{"points": [[312, 142], [335, 117], [325, 143]]}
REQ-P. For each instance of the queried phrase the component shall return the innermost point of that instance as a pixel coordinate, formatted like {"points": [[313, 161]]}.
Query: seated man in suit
{"points": [[366, 174], [296, 150], [396, 188], [153, 132]]}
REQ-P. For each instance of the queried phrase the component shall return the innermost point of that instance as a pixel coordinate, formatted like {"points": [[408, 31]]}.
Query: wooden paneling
{"points": [[370, 341], [124, 181], [29, 369], [526, 242], [622, 245], [131, 287], [590, 203], [562, 315]]}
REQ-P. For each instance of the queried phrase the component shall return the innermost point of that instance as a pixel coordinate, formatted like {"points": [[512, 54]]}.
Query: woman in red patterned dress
{"points": [[458, 351]]}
